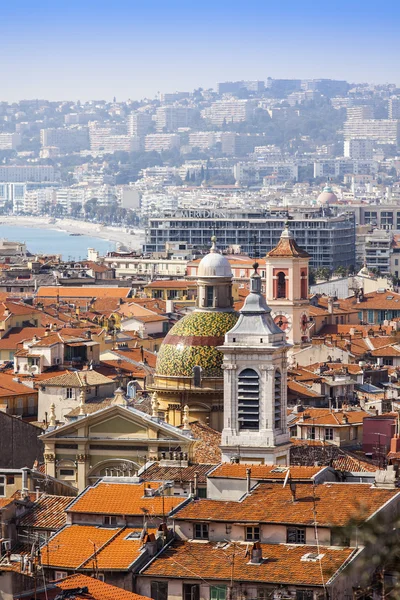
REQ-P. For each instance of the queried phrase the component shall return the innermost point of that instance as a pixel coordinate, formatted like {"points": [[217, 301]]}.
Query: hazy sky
{"points": [[131, 49]]}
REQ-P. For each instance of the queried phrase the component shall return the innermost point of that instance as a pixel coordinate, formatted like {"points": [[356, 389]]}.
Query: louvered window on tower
{"points": [[278, 400], [249, 400]]}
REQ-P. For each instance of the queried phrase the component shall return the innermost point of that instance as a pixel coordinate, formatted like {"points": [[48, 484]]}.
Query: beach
{"points": [[121, 235]]}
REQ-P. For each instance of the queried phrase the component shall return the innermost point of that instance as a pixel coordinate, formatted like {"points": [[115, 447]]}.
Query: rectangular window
{"points": [[2, 486], [304, 595], [108, 520], [210, 296], [67, 472], [252, 534], [311, 433], [370, 316], [10, 479], [218, 592], [159, 590], [329, 434], [60, 575], [191, 591], [201, 531], [296, 535], [70, 392]]}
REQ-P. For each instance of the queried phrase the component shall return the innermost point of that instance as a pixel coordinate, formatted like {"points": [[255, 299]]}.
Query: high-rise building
{"points": [[72, 139], [9, 141], [383, 131], [161, 141], [204, 139], [139, 124], [328, 238], [170, 118], [360, 112], [23, 173], [359, 149], [231, 87], [229, 111], [394, 108]]}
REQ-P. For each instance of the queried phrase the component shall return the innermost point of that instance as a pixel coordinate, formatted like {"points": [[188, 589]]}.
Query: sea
{"points": [[53, 241]]}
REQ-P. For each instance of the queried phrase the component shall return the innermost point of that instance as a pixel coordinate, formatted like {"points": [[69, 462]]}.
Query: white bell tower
{"points": [[255, 387], [286, 270]]}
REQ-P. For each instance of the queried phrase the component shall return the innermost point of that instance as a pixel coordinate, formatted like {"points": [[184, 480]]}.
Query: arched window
{"points": [[249, 400], [281, 285], [278, 400]]}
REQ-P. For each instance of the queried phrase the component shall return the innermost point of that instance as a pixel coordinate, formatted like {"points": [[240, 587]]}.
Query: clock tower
{"points": [[287, 268]]}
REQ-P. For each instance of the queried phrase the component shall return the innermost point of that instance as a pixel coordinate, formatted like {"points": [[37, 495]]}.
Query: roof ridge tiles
{"points": [[97, 552]]}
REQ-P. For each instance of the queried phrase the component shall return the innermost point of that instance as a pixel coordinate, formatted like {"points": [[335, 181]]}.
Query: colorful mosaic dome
{"points": [[192, 342]]}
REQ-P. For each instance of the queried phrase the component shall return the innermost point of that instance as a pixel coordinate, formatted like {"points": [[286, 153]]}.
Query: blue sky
{"points": [[132, 49]]}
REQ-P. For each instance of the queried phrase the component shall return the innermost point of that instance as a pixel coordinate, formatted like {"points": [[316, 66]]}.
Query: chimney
{"points": [[37, 489], [330, 305], [248, 479], [256, 554], [395, 444], [196, 484], [150, 543]]}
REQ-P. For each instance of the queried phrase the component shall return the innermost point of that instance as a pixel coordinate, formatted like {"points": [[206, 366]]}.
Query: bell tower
{"points": [[255, 388], [287, 267]]}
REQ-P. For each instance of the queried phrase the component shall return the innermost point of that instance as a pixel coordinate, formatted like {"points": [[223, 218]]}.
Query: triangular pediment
{"points": [[117, 422], [118, 427]]}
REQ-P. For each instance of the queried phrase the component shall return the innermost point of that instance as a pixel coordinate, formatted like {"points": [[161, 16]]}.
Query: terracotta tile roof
{"points": [[386, 351], [207, 448], [91, 405], [287, 247], [17, 309], [374, 301], [323, 416], [109, 548], [364, 329], [83, 292], [123, 499], [156, 305], [9, 387], [17, 335], [78, 379], [282, 565], [302, 391], [263, 472], [97, 590], [47, 513], [351, 464], [135, 354], [335, 503], [179, 474]]}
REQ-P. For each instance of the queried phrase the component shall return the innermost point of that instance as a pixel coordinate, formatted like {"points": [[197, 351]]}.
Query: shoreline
{"points": [[111, 234]]}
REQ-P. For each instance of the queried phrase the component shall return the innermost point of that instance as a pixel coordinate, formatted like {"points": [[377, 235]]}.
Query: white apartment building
{"points": [[170, 118], [34, 201], [139, 124], [360, 112], [378, 250], [338, 167], [394, 108], [359, 149], [9, 141], [161, 141], [204, 139], [229, 111], [37, 173], [66, 197], [67, 139], [383, 131]]}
